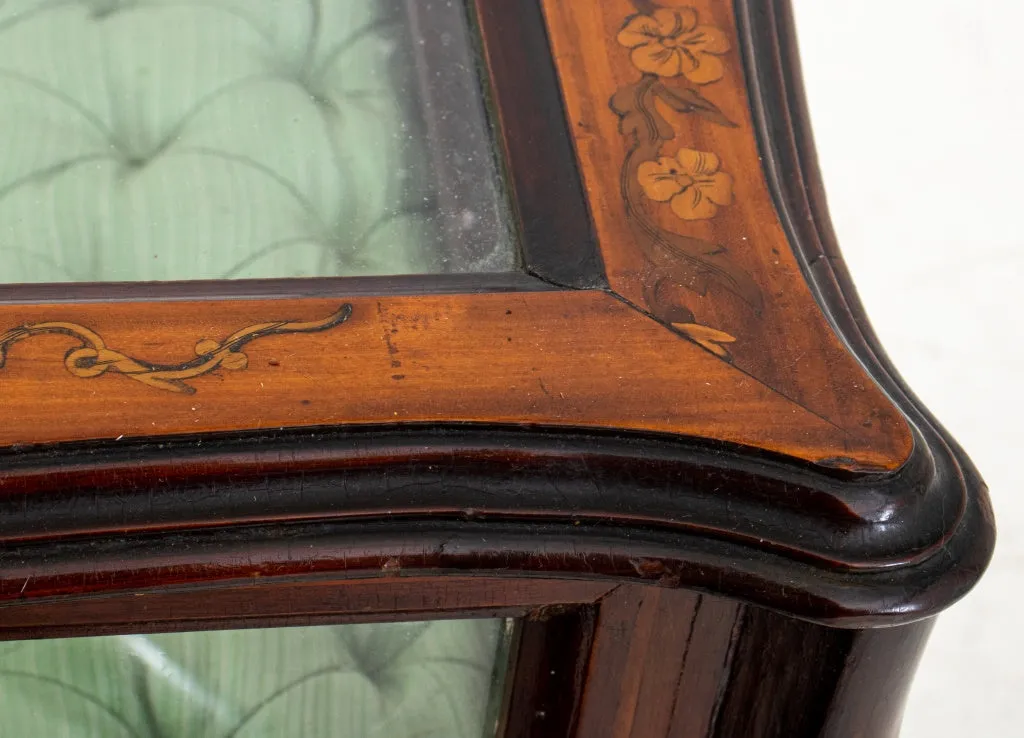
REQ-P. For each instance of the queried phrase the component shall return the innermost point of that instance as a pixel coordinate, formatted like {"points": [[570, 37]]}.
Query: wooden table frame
{"points": [[589, 658], [173, 359], [678, 465]]}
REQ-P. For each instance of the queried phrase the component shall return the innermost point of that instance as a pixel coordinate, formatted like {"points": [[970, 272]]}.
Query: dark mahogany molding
{"points": [[558, 448], [838, 547]]}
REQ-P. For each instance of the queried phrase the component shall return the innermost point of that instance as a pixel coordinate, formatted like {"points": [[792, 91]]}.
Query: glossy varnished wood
{"points": [[552, 212], [686, 665], [488, 398], [469, 498], [590, 659], [258, 601], [735, 272], [553, 652], [271, 289], [495, 358], [582, 358], [659, 663], [699, 482], [791, 679]]}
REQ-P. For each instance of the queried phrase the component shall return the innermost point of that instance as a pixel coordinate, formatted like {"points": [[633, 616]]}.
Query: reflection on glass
{"points": [[222, 139], [392, 680]]}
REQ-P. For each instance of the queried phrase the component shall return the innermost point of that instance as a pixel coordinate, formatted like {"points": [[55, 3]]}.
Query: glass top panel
{"points": [[436, 679], [226, 139]]}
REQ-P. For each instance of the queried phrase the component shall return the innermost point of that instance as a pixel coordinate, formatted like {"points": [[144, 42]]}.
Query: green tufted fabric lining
{"points": [[213, 139], [395, 680]]}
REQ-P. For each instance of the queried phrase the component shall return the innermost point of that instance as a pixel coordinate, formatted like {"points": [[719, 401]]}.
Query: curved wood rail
{"points": [[622, 431]]}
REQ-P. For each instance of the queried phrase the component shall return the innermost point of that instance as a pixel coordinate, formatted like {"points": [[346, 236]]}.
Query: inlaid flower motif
{"points": [[709, 338], [670, 43], [690, 181]]}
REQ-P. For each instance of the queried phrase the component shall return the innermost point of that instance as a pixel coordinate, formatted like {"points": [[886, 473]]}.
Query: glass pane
{"points": [[393, 680], [222, 139]]}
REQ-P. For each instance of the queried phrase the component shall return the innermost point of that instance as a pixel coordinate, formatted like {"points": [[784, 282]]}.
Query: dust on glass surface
{"points": [[429, 679], [222, 139]]}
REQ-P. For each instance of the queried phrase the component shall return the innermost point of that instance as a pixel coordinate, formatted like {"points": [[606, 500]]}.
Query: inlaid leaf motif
{"points": [[686, 100], [695, 184]]}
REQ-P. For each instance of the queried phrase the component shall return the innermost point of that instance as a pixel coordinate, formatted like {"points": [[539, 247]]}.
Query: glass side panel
{"points": [[436, 679], [221, 139]]}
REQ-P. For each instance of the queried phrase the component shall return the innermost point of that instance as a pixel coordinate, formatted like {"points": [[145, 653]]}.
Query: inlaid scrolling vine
{"points": [[677, 56], [93, 357]]}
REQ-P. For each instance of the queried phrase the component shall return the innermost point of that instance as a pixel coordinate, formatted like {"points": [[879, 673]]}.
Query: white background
{"points": [[918, 112]]}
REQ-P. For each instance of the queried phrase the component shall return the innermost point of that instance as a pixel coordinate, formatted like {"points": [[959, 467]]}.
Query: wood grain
{"points": [[581, 359], [258, 602], [469, 457], [689, 665], [592, 659], [791, 679], [780, 336], [659, 664], [574, 358], [554, 647]]}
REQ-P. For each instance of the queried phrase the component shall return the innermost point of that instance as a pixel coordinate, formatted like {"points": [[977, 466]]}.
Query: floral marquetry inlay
{"points": [[690, 181], [678, 56], [671, 42]]}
